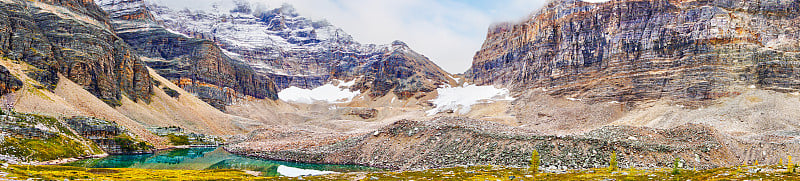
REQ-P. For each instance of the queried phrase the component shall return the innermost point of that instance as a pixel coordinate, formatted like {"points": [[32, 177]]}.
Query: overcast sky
{"points": [[449, 32]]}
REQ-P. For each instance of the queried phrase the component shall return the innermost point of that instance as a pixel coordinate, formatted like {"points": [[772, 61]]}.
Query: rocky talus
{"points": [[197, 65], [632, 50], [449, 142], [72, 38]]}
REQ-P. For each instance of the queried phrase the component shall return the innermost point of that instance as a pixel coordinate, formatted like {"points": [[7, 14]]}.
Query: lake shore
{"points": [[74, 159]]}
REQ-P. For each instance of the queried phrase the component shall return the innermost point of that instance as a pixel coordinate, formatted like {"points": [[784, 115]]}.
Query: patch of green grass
{"points": [[178, 139], [57, 142], [128, 144], [56, 147]]}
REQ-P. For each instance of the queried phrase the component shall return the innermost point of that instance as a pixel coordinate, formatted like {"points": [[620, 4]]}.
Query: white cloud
{"points": [[449, 32]]}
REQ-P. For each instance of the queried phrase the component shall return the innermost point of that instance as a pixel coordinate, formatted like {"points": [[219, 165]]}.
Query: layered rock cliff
{"points": [[296, 51], [72, 38], [197, 65], [631, 50]]}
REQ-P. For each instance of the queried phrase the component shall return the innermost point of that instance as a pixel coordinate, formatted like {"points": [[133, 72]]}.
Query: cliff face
{"points": [[197, 65], [72, 38], [629, 50], [8, 83], [296, 51]]}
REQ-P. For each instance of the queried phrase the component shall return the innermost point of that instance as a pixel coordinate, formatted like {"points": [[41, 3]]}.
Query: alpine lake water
{"points": [[215, 158]]}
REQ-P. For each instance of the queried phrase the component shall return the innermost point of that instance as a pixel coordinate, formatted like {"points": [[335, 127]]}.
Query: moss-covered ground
{"points": [[457, 173], [61, 143], [48, 172]]}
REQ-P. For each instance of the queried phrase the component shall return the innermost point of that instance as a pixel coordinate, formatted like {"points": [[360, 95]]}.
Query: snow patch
{"points": [[296, 172], [43, 127], [326, 93], [177, 33], [463, 97]]}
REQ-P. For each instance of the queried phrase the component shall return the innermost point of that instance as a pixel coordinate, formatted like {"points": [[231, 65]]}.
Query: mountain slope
{"points": [[633, 50], [69, 62]]}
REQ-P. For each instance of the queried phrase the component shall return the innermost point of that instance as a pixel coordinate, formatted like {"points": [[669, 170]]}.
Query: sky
{"points": [[449, 32]]}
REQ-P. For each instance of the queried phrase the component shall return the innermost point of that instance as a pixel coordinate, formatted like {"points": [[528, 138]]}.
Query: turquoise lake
{"points": [[214, 158]]}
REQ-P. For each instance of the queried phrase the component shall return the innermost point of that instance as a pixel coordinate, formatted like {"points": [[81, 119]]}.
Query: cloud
{"points": [[449, 32]]}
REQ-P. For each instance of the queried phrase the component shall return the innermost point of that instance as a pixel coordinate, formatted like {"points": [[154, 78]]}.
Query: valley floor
{"points": [[20, 172]]}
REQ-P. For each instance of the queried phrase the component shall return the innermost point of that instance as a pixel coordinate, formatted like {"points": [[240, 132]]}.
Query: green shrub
{"points": [[675, 170], [534, 167], [612, 163], [128, 144], [178, 140], [171, 92]]}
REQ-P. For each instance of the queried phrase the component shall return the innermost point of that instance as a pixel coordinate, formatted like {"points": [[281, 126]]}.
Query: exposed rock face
{"points": [[111, 137], [450, 142], [629, 50], [8, 83], [296, 51], [72, 38], [197, 65]]}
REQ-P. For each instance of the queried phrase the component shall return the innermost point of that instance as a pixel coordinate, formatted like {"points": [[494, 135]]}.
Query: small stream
{"points": [[214, 158]]}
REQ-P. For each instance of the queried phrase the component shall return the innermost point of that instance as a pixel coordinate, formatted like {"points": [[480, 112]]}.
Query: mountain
{"points": [[578, 66], [296, 51], [196, 65], [63, 59], [73, 38], [708, 83], [691, 52]]}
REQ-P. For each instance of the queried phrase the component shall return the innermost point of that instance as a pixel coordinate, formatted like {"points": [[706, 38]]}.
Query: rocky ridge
{"points": [[296, 51], [112, 138], [633, 50], [196, 65], [29, 138]]}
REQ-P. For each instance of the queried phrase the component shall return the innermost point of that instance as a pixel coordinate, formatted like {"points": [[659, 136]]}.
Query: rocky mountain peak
{"points": [[297, 51]]}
